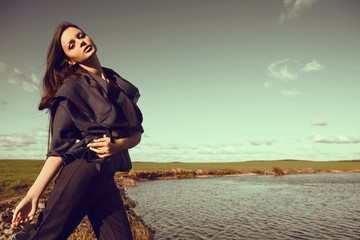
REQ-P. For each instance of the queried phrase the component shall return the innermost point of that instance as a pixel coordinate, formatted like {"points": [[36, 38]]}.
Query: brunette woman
{"points": [[94, 120]]}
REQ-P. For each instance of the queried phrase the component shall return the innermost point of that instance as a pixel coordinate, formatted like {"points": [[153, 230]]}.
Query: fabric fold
{"points": [[88, 113]]}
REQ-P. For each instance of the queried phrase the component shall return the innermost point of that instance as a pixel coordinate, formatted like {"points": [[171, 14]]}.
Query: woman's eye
{"points": [[82, 35], [71, 46]]}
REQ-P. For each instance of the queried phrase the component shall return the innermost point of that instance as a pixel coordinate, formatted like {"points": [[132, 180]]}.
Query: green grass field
{"points": [[19, 174], [339, 165]]}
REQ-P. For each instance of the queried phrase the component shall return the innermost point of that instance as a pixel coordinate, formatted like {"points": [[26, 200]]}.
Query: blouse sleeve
{"points": [[63, 133]]}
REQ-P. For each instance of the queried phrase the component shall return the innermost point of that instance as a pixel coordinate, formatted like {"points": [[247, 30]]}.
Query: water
{"points": [[306, 206]]}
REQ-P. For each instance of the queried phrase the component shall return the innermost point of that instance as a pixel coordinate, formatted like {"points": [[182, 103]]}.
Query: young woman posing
{"points": [[94, 121]]}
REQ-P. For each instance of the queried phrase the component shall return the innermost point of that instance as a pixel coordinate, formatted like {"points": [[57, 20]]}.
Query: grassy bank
{"points": [[261, 165], [84, 230], [16, 175]]}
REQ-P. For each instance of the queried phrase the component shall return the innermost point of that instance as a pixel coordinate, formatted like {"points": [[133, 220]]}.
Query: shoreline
{"points": [[84, 230], [139, 228], [131, 178]]}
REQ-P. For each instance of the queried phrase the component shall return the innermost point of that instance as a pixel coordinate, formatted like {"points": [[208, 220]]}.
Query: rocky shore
{"points": [[132, 177], [139, 228], [83, 232]]}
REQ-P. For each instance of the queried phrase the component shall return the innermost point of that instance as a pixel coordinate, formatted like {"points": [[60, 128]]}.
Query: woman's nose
{"points": [[82, 44]]}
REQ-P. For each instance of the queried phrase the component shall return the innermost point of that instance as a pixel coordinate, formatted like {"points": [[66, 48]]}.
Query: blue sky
{"points": [[220, 80]]}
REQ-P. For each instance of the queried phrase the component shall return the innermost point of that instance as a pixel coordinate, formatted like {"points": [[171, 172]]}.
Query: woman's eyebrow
{"points": [[71, 40], [79, 33]]}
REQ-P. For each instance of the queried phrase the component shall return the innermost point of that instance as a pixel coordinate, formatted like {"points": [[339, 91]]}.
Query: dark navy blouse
{"points": [[88, 108]]}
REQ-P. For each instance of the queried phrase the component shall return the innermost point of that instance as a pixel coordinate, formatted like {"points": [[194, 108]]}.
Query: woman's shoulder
{"points": [[130, 89], [109, 71], [72, 85]]}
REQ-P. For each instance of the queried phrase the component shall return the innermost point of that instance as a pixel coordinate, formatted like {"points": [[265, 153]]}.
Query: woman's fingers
{"points": [[100, 144], [101, 147], [15, 215], [15, 222], [99, 150], [105, 139], [103, 155], [31, 215], [100, 140]]}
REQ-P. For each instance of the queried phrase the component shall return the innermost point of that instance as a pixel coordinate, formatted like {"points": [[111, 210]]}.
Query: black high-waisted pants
{"points": [[82, 190]]}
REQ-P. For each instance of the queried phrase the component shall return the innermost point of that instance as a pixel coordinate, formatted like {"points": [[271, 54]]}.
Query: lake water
{"points": [[304, 206]]}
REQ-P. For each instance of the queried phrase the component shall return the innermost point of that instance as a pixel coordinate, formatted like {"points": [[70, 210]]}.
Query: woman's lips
{"points": [[88, 48]]}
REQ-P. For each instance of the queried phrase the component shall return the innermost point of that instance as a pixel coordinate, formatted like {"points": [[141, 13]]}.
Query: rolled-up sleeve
{"points": [[63, 133], [135, 130]]}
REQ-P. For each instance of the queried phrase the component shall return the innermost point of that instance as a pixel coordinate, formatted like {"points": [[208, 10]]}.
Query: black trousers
{"points": [[82, 190]]}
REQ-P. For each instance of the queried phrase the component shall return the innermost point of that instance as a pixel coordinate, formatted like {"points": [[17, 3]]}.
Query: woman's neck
{"points": [[93, 65]]}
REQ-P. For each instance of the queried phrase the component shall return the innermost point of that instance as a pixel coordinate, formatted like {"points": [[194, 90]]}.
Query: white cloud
{"points": [[282, 73], [281, 70], [219, 150], [337, 139], [267, 84], [294, 8], [290, 93], [262, 141], [39, 132], [12, 142], [16, 145], [319, 123], [313, 66], [15, 76]]}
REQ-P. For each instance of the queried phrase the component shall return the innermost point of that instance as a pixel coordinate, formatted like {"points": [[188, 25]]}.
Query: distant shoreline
{"points": [[131, 178], [17, 175]]}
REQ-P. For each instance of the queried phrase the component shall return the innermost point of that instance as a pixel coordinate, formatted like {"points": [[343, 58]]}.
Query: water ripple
{"points": [[318, 206]]}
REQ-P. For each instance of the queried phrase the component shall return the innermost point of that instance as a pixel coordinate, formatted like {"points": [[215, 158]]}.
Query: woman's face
{"points": [[77, 46]]}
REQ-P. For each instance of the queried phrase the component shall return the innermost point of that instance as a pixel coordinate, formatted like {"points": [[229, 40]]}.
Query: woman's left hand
{"points": [[103, 147]]}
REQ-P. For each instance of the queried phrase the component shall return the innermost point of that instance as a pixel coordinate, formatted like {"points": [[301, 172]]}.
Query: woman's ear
{"points": [[71, 62]]}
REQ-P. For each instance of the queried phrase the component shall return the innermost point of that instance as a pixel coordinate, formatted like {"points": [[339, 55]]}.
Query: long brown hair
{"points": [[57, 68]]}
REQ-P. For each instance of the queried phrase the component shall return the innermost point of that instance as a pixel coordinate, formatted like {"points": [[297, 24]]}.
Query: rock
{"points": [[290, 171], [29, 226], [21, 236], [200, 172], [8, 232], [308, 170], [4, 217], [269, 172], [278, 171], [41, 205]]}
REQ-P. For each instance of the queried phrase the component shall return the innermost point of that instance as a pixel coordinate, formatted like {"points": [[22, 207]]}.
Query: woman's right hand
{"points": [[25, 211]]}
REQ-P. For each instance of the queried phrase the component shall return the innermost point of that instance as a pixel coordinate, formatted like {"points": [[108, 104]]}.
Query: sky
{"points": [[220, 81]]}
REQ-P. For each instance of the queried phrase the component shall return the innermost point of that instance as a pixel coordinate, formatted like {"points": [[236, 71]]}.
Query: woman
{"points": [[94, 120]]}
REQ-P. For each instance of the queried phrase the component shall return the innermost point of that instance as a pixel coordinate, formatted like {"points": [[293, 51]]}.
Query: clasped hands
{"points": [[103, 147]]}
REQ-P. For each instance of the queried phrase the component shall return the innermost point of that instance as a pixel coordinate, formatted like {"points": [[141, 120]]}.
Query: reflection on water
{"points": [[307, 206]]}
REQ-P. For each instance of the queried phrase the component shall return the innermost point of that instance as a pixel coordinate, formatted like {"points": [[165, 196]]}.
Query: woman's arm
{"points": [[26, 209], [105, 148], [129, 142]]}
